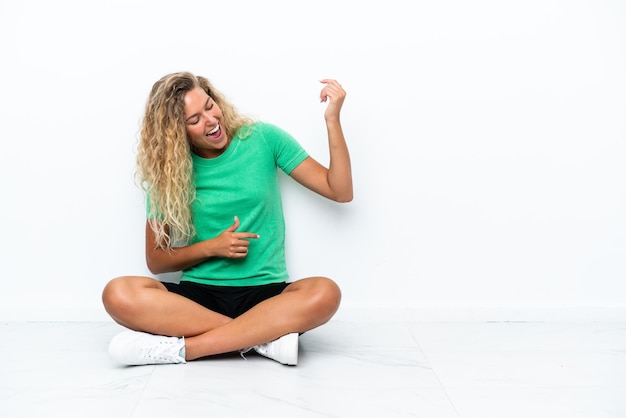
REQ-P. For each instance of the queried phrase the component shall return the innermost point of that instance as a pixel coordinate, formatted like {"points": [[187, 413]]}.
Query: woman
{"points": [[214, 212]]}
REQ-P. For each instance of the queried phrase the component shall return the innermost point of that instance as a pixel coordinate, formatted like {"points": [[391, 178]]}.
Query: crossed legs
{"points": [[144, 304]]}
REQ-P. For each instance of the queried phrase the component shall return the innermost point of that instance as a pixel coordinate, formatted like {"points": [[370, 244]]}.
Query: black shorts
{"points": [[231, 301]]}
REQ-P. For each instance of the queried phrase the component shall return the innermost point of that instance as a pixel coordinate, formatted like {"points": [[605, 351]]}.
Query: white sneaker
{"points": [[138, 348], [284, 350]]}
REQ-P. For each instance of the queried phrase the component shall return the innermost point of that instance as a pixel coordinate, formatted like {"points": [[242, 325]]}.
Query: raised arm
{"points": [[334, 182]]}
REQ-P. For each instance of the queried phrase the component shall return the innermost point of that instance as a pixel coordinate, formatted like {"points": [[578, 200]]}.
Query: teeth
{"points": [[215, 130]]}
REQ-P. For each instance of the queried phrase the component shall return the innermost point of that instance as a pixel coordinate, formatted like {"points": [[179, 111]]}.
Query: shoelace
{"points": [[244, 351], [163, 350]]}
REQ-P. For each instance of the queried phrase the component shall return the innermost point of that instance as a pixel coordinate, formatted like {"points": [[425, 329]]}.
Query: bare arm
{"points": [[334, 182], [229, 244]]}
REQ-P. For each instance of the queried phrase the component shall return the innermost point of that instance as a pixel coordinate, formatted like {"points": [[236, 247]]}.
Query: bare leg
{"points": [[144, 304], [303, 305]]}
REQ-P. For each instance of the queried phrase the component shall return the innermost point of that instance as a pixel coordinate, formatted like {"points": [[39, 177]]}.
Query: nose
{"points": [[210, 118]]}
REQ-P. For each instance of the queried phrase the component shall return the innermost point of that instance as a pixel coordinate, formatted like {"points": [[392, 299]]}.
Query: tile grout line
{"points": [[140, 397], [434, 372]]}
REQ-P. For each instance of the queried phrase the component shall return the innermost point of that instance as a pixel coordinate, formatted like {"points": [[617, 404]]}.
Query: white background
{"points": [[488, 141]]}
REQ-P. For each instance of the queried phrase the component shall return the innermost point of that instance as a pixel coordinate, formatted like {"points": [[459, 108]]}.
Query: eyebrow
{"points": [[196, 114]]}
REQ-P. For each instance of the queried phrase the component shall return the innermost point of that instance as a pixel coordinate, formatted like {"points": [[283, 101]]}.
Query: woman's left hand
{"points": [[335, 95]]}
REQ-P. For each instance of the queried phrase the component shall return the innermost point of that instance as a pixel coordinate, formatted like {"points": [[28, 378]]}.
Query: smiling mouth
{"points": [[217, 127], [215, 133]]}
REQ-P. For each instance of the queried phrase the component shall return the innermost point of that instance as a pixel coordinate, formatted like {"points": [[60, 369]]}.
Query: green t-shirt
{"points": [[243, 182]]}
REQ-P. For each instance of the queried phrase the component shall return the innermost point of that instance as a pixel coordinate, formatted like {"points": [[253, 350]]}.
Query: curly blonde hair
{"points": [[164, 163]]}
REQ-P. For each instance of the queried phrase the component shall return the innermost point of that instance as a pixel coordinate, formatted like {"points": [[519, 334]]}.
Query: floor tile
{"points": [[345, 369], [525, 369], [334, 378]]}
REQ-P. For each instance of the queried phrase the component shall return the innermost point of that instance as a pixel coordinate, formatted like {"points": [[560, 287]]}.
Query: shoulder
{"points": [[266, 128], [270, 134]]}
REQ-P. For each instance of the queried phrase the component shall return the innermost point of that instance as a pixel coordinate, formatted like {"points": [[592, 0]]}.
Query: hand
{"points": [[233, 244], [334, 93]]}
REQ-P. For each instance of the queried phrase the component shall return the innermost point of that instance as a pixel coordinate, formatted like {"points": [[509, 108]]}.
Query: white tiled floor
{"points": [[346, 369]]}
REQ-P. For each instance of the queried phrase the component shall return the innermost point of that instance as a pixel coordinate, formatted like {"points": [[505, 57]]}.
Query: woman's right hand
{"points": [[232, 244]]}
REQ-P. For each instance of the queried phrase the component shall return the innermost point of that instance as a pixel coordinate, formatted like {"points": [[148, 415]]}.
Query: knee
{"points": [[116, 296], [327, 296]]}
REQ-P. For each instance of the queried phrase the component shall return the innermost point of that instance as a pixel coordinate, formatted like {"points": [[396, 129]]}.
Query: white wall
{"points": [[488, 142]]}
